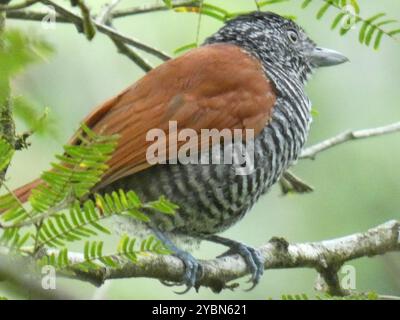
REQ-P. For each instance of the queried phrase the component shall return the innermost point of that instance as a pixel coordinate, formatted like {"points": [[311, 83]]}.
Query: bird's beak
{"points": [[322, 57]]}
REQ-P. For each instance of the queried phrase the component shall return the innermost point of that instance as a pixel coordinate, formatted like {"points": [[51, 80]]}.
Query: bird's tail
{"points": [[23, 193]]}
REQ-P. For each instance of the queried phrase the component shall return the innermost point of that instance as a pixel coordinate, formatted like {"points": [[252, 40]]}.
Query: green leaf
{"points": [[18, 50], [378, 39], [65, 180], [86, 252], [356, 6], [6, 153], [337, 20], [306, 3], [168, 3], [123, 243], [323, 10], [100, 227], [367, 24], [131, 247], [163, 205], [186, 47], [99, 249], [52, 260], [377, 27], [213, 14], [24, 239], [93, 249], [150, 241], [62, 258], [134, 200], [269, 2], [370, 31], [108, 261], [137, 214], [394, 32]]}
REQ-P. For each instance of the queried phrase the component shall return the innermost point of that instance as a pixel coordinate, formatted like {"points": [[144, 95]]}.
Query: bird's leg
{"points": [[251, 255], [193, 269]]}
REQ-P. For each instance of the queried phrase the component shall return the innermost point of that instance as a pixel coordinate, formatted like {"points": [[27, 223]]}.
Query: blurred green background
{"points": [[357, 185]]}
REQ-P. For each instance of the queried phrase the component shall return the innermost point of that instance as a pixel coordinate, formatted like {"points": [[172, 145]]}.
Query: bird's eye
{"points": [[293, 36]]}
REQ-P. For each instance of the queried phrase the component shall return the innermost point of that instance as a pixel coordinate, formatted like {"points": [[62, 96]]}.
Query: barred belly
{"points": [[213, 197]]}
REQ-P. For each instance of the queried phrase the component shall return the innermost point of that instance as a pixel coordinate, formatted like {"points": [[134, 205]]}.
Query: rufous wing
{"points": [[212, 87]]}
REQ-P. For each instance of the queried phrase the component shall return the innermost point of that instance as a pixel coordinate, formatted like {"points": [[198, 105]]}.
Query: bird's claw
{"points": [[193, 271], [253, 261]]}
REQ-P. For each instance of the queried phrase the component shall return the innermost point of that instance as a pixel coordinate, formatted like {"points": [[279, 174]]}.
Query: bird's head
{"points": [[278, 42]]}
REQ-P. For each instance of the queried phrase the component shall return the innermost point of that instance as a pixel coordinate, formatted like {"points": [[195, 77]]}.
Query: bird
{"points": [[249, 76]]}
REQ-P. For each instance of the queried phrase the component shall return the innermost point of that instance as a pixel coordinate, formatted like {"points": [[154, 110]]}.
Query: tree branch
{"points": [[311, 152], [18, 271], [19, 6], [326, 257], [290, 183], [31, 15], [116, 14], [113, 34], [103, 24], [106, 18]]}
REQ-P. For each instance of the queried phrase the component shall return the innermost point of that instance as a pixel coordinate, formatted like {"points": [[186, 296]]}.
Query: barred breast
{"points": [[213, 197]]}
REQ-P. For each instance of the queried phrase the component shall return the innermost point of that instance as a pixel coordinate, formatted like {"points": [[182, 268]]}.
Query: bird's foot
{"points": [[253, 260], [251, 256], [193, 269]]}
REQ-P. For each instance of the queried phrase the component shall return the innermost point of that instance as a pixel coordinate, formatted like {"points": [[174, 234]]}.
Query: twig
{"points": [[121, 46], [311, 152], [78, 21], [19, 6], [34, 16], [201, 2], [153, 8], [116, 14], [88, 27], [375, 26], [326, 257], [105, 17], [132, 55]]}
